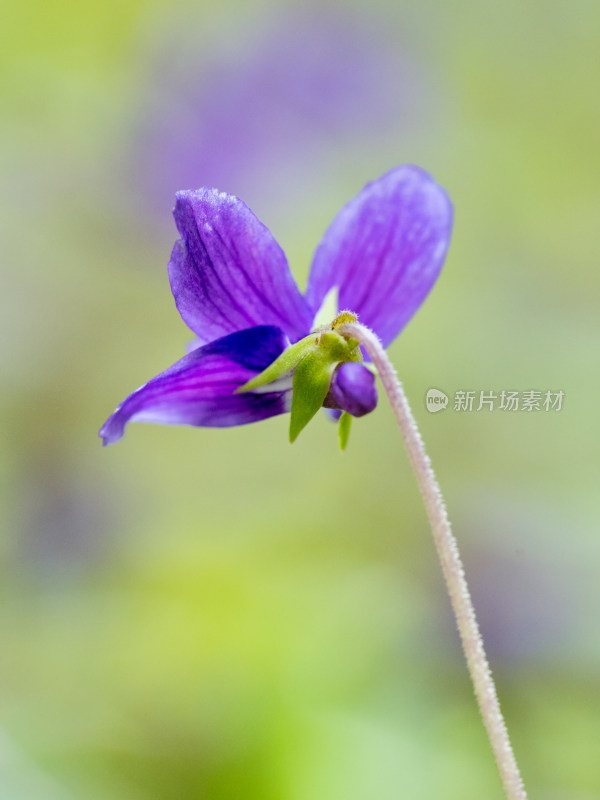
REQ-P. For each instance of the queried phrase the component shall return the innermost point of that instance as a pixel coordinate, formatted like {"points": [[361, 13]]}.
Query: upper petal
{"points": [[199, 388], [228, 273], [384, 250]]}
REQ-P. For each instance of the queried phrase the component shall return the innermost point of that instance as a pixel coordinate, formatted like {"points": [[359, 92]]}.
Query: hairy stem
{"points": [[483, 683]]}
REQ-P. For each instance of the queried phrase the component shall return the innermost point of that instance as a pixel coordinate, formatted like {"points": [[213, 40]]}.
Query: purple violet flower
{"points": [[233, 287], [266, 112]]}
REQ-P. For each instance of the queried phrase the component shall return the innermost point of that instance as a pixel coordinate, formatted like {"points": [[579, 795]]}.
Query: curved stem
{"points": [[485, 690]]}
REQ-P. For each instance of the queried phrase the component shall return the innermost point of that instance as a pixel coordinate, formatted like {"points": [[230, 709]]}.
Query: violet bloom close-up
{"points": [[233, 288]]}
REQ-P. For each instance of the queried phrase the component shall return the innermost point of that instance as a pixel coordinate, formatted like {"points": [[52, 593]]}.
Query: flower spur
{"points": [[233, 288]]}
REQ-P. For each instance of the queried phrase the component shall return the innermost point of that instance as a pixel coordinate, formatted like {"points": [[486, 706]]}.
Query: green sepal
{"points": [[312, 361], [285, 363], [344, 429], [312, 377], [338, 349]]}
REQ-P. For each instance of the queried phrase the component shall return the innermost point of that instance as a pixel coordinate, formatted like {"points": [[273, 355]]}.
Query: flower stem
{"points": [[483, 683]]}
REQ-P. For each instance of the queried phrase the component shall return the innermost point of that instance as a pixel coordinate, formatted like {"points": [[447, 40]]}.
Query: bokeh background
{"points": [[217, 614]]}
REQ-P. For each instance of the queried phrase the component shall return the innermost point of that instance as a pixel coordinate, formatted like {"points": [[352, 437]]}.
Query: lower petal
{"points": [[199, 389]]}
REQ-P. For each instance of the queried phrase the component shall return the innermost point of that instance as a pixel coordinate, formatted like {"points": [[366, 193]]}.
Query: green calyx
{"points": [[283, 366], [312, 361], [344, 429], [313, 375]]}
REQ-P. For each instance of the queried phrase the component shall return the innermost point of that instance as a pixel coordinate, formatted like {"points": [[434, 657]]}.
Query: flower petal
{"points": [[228, 273], [199, 389], [384, 250], [353, 389]]}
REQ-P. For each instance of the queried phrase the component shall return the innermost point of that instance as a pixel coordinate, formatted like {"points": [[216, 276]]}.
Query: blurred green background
{"points": [[215, 613]]}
